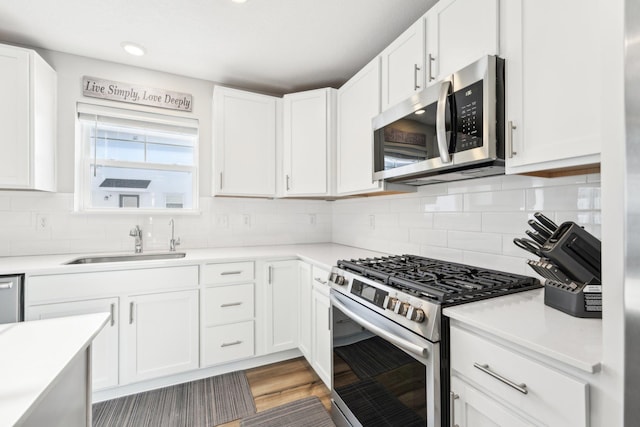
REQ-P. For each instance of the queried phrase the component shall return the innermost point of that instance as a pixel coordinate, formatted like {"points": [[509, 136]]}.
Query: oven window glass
{"points": [[380, 384]]}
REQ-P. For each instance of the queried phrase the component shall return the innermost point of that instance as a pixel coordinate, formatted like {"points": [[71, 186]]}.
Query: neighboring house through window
{"points": [[135, 160]]}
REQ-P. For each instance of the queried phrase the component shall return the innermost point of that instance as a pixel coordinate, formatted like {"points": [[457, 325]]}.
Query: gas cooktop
{"points": [[441, 282]]}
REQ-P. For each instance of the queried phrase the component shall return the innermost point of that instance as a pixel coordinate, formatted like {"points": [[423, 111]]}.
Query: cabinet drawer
{"points": [[552, 397], [230, 272], [227, 343], [228, 304]]}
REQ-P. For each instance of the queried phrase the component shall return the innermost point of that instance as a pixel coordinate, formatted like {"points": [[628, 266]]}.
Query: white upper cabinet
{"points": [[458, 33], [403, 64], [309, 141], [27, 121], [244, 139], [358, 104], [552, 83]]}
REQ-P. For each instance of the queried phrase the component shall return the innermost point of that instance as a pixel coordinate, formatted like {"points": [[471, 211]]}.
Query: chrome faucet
{"points": [[137, 233], [173, 242]]}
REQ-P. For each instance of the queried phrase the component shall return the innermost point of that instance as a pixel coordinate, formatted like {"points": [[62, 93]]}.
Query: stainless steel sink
{"points": [[122, 258]]}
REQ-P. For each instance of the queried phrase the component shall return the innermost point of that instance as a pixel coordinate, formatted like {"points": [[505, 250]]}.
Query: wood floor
{"points": [[284, 382]]}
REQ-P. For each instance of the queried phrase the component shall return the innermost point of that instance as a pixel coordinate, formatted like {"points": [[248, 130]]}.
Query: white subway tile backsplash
{"points": [[474, 241], [505, 222], [570, 197], [462, 221], [445, 254], [433, 190], [448, 203], [429, 237], [495, 201], [510, 182], [497, 262], [416, 219], [492, 183]]}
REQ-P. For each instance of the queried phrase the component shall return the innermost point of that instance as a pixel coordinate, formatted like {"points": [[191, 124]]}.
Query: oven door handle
{"points": [[403, 344]]}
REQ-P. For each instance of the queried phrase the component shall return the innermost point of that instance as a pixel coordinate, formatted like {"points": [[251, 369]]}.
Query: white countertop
{"points": [[525, 320], [323, 255], [33, 354]]}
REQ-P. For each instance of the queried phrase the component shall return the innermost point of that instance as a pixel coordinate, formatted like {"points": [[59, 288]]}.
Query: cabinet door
{"points": [[244, 143], [472, 408], [304, 310], [307, 142], [322, 335], [282, 299], [14, 118], [104, 348], [552, 83], [358, 104], [160, 334], [460, 32], [403, 65]]}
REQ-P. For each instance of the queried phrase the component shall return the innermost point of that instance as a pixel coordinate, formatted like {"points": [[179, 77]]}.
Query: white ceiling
{"points": [[275, 46]]}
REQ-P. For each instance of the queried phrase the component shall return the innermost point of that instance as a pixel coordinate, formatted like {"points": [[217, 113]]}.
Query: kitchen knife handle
{"points": [[522, 388], [545, 221], [541, 229], [536, 237], [510, 128]]}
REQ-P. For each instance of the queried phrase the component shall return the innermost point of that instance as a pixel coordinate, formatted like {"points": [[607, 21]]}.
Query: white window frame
{"points": [[82, 191]]}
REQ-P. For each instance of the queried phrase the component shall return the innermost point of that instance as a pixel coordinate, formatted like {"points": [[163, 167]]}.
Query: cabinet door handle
{"points": [[416, 86], [510, 128], [288, 182], [131, 310], [229, 344], [229, 273], [429, 70], [6, 285], [319, 280], [329, 318], [221, 180], [230, 304], [452, 412], [522, 388], [270, 274], [113, 314]]}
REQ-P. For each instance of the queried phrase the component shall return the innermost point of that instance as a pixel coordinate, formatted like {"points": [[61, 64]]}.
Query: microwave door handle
{"points": [[441, 125]]}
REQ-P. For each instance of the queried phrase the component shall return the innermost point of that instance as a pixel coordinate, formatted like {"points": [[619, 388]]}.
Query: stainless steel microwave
{"points": [[450, 131]]}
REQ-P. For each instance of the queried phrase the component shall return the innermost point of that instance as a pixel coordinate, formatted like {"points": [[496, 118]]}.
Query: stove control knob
{"points": [[340, 280], [391, 303], [416, 314], [402, 309]]}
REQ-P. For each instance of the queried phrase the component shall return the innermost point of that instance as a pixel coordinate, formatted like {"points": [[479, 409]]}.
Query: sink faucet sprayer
{"points": [[137, 233], [173, 242]]}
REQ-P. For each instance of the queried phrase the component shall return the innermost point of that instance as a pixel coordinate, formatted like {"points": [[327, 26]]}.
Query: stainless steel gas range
{"points": [[391, 341]]}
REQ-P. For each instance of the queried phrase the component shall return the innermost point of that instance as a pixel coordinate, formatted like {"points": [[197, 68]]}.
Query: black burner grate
{"points": [[441, 281]]}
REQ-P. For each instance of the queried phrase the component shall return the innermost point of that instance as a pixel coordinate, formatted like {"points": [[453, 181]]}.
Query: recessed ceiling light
{"points": [[419, 112], [133, 48]]}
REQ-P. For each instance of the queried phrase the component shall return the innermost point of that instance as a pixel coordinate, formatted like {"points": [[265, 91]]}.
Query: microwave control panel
{"points": [[469, 121]]}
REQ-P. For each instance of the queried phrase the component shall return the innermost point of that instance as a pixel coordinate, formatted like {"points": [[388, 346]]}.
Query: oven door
{"points": [[383, 374]]}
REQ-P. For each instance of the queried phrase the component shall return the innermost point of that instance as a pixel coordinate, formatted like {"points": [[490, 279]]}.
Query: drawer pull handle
{"points": [[230, 304], [113, 314], [319, 280], [229, 344], [229, 273], [131, 311], [452, 409], [522, 388]]}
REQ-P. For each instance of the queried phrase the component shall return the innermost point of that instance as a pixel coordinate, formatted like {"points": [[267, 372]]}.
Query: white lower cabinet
{"points": [[497, 386], [104, 348], [305, 288], [227, 343], [281, 298], [160, 334], [321, 349]]}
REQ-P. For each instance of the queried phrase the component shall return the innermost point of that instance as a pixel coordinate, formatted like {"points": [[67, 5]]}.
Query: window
{"points": [[131, 160]]}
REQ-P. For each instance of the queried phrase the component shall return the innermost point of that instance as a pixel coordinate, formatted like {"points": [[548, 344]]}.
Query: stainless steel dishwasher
{"points": [[11, 299]]}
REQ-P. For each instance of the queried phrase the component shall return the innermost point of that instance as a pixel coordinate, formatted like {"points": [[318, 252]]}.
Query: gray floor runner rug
{"points": [[308, 412], [203, 403]]}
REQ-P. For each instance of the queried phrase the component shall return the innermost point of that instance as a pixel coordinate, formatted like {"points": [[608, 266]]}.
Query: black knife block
{"points": [[585, 301]]}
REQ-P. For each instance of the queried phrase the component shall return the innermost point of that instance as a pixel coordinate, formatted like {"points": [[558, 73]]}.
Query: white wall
{"points": [[473, 221]]}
